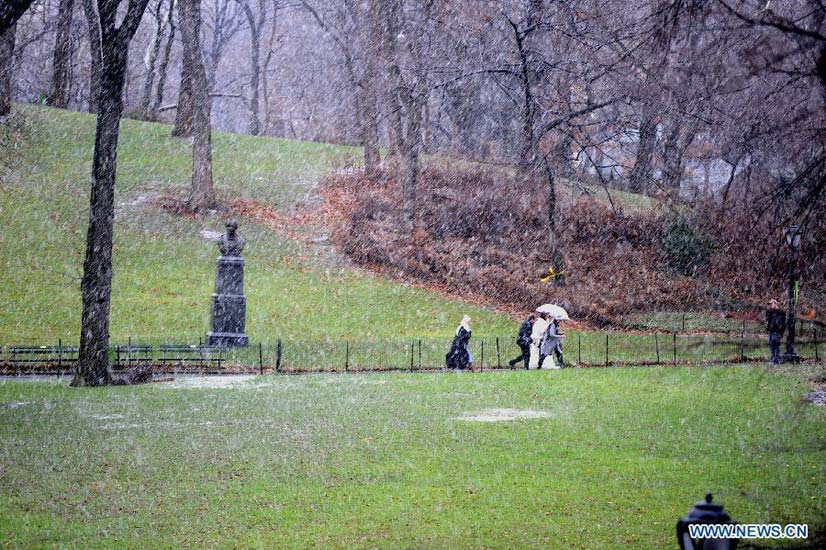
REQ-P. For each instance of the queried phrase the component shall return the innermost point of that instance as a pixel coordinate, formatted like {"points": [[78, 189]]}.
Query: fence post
{"points": [[606, 349], [420, 354], [743, 341], [657, 347], [278, 356], [60, 355], [683, 322], [482, 359], [346, 355], [674, 342], [260, 357], [498, 359], [579, 348], [412, 344]]}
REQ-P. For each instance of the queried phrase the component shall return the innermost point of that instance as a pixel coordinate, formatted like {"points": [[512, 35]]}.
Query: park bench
{"points": [[130, 355], [182, 354], [41, 355]]}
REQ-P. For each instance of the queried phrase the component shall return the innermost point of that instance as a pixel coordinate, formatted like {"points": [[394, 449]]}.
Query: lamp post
{"points": [[704, 512], [793, 235]]}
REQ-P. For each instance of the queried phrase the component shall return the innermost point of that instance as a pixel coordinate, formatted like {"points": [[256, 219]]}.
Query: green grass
{"points": [[163, 269], [383, 460]]}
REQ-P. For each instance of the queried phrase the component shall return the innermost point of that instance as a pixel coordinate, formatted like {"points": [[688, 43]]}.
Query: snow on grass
{"points": [[503, 415], [210, 382]]}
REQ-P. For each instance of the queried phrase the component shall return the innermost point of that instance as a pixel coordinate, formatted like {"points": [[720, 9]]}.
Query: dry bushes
{"points": [[485, 233]]}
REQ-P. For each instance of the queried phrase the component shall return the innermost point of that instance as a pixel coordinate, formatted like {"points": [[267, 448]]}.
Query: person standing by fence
{"points": [[459, 356], [523, 340], [775, 326]]}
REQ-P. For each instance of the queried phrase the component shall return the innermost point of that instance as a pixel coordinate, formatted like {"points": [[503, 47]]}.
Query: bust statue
{"points": [[231, 243]]}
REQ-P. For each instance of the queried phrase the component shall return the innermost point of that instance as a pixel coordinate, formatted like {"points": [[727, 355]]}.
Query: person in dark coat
{"points": [[523, 340], [775, 326], [459, 356]]}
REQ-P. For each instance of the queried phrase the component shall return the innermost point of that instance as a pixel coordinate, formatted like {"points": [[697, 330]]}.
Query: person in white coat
{"points": [[540, 326]]}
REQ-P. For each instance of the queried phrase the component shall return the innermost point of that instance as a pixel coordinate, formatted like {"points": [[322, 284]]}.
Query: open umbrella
{"points": [[554, 310]]}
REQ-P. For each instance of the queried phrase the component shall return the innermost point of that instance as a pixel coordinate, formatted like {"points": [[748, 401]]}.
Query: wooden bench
{"points": [[183, 354], [44, 355], [130, 355]]}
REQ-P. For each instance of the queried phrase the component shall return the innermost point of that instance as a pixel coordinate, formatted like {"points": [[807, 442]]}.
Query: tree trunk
{"points": [[93, 356], [94, 53], [58, 89], [202, 194], [410, 162], [370, 114], [562, 156], [638, 179], [10, 12], [6, 68], [370, 127], [152, 51], [162, 70], [184, 114], [554, 250], [255, 25]]}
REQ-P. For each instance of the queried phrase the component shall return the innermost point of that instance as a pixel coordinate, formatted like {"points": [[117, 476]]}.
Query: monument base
{"points": [[227, 339]]}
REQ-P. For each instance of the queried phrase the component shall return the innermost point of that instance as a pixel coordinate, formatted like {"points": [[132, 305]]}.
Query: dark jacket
{"points": [[775, 321], [459, 357], [523, 340]]}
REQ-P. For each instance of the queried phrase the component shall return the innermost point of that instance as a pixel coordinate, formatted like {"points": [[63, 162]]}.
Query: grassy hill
{"points": [[164, 269]]}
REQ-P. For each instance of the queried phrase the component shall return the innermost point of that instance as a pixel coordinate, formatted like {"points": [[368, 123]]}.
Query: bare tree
{"points": [[202, 193], [255, 22], [153, 49], [354, 28], [93, 357], [163, 68]]}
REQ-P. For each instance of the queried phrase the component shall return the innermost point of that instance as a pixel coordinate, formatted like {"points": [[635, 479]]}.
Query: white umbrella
{"points": [[554, 310]]}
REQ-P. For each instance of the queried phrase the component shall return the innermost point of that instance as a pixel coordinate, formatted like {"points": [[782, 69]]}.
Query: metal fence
{"points": [[583, 349]]}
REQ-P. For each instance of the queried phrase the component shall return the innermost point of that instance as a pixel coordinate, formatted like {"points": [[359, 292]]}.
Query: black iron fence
{"points": [[583, 349]]}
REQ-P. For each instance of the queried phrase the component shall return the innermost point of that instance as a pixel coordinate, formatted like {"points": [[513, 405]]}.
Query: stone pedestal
{"points": [[229, 307]]}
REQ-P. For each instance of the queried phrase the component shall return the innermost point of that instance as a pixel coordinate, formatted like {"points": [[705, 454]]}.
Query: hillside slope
{"points": [[164, 268]]}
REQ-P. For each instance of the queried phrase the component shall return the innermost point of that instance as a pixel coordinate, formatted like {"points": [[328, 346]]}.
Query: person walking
{"points": [[459, 356], [540, 326], [557, 335], [523, 340], [775, 326]]}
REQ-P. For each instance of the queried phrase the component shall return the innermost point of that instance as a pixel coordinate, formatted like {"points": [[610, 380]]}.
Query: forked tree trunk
{"points": [[59, 87], [202, 194], [153, 50], [6, 68], [162, 69], [93, 357]]}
